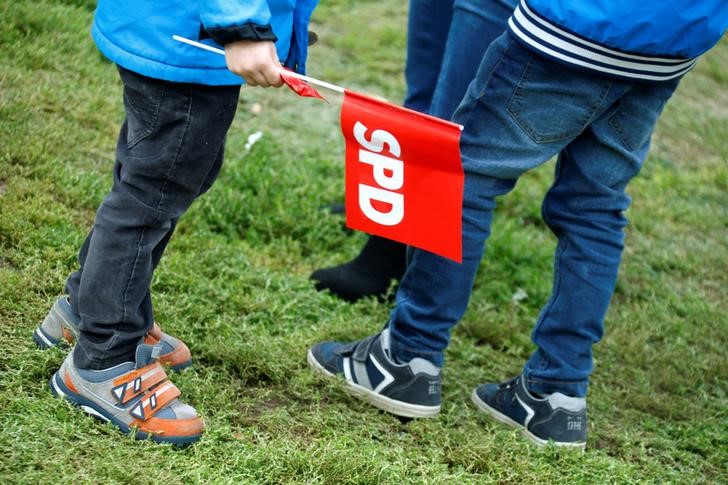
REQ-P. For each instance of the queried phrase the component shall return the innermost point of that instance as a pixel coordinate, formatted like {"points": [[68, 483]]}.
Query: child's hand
{"points": [[255, 61]]}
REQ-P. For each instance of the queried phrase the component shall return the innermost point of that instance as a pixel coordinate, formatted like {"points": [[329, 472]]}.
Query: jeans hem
{"points": [[549, 386], [82, 361], [403, 354]]}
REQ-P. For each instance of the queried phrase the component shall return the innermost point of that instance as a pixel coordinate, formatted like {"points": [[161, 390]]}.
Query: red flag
{"points": [[300, 87], [404, 179]]}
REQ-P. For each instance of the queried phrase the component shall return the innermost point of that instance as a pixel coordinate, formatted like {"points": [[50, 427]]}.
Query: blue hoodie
{"points": [[647, 40], [137, 34]]}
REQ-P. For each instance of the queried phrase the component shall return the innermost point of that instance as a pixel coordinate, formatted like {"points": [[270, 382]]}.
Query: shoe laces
{"points": [[507, 386]]}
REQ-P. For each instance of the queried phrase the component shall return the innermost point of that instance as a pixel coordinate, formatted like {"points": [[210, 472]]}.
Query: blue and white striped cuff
{"points": [[556, 43]]}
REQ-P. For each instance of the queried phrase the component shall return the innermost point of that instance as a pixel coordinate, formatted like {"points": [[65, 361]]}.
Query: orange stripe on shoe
{"points": [[170, 427], [178, 356], [156, 399], [67, 334], [69, 383]]}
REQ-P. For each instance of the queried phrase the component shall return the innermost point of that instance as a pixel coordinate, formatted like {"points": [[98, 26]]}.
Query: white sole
{"points": [[57, 318], [56, 388], [483, 406], [382, 402], [40, 335]]}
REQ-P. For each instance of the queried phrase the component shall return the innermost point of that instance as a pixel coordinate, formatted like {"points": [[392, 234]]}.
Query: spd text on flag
{"points": [[404, 179]]}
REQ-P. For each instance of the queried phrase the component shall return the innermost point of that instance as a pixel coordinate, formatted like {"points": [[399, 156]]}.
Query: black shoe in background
{"points": [[369, 274]]}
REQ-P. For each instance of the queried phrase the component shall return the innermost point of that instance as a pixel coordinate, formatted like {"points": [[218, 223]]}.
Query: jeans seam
{"points": [[617, 127], [176, 156], [109, 345], [148, 127], [561, 247]]}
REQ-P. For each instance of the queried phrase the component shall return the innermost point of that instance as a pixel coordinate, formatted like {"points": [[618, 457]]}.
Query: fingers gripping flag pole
{"points": [[404, 177], [285, 73]]}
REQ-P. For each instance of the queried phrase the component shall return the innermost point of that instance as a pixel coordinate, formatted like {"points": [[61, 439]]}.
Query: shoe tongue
{"points": [[384, 338], [145, 354]]}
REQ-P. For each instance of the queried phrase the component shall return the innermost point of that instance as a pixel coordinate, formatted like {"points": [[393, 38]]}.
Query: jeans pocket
{"points": [[553, 102], [142, 102], [637, 112]]}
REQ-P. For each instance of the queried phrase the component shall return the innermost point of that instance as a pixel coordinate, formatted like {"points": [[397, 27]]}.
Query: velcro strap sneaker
{"points": [[551, 418], [136, 397], [409, 389]]}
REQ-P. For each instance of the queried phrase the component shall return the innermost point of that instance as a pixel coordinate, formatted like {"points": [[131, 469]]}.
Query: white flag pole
{"points": [[311, 80]]}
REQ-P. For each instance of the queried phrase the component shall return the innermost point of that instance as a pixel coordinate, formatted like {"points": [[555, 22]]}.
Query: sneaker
{"points": [[61, 325], [552, 418], [410, 390], [134, 396]]}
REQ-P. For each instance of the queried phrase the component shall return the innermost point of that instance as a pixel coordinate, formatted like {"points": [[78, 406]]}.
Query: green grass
{"points": [[234, 286]]}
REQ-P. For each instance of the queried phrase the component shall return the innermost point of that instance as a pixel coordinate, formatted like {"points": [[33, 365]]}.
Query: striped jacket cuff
{"points": [[550, 40]]}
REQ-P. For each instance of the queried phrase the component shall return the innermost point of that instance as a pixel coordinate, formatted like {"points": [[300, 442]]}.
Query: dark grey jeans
{"points": [[169, 152]]}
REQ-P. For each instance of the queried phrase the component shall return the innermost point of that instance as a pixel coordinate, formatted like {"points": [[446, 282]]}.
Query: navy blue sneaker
{"points": [[410, 390], [552, 418]]}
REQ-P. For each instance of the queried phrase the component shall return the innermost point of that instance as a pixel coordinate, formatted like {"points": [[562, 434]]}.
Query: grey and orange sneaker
{"points": [[61, 325], [551, 418], [409, 389], [136, 397]]}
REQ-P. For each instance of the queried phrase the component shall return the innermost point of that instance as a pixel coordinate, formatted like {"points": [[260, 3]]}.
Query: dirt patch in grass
{"points": [[3, 187]]}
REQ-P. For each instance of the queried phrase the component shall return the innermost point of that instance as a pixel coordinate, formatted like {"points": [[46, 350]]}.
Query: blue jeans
{"points": [[521, 110], [427, 29], [169, 152], [446, 40]]}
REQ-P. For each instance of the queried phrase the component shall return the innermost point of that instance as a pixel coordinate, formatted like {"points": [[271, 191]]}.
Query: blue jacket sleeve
{"points": [[231, 20], [298, 53]]}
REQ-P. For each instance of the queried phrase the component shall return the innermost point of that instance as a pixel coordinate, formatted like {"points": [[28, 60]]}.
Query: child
{"points": [[179, 103], [586, 81]]}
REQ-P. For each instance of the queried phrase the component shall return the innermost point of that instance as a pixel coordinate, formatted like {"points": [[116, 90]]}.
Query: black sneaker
{"points": [[553, 418], [411, 390]]}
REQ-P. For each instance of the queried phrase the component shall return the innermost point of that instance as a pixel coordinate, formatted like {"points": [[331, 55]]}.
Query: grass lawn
{"points": [[234, 285]]}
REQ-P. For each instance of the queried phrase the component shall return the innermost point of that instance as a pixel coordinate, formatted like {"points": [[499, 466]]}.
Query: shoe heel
{"points": [[43, 340], [56, 389]]}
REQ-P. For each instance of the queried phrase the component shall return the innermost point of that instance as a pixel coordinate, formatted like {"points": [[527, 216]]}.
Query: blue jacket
{"points": [[648, 40], [137, 34]]}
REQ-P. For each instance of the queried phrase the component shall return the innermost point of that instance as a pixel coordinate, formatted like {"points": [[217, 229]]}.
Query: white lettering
{"points": [[379, 139], [381, 165], [390, 218]]}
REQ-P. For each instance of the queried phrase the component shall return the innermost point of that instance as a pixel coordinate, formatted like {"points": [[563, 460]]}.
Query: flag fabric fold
{"points": [[300, 87]]}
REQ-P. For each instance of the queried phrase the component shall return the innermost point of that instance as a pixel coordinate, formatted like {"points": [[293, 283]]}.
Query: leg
{"points": [[427, 30], [74, 281], [381, 260], [519, 112], [584, 208], [169, 145], [475, 25]]}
